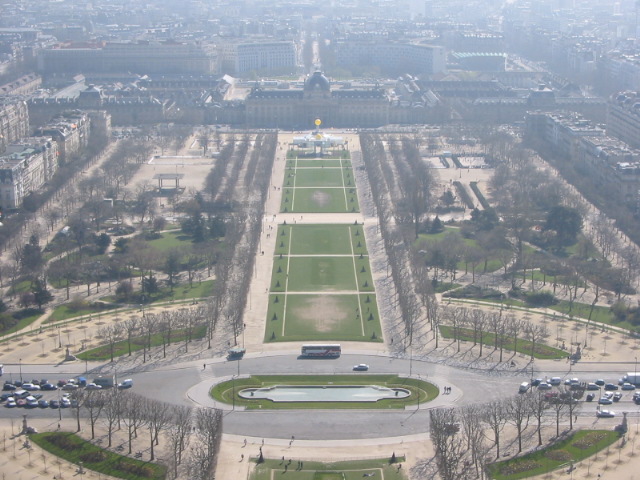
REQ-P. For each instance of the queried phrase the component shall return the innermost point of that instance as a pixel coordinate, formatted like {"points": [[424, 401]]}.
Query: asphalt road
{"points": [[171, 383]]}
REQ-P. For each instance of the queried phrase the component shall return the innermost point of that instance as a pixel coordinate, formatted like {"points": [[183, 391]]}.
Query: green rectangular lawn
{"points": [[321, 274], [320, 200], [318, 177], [303, 317], [378, 469], [321, 240]]}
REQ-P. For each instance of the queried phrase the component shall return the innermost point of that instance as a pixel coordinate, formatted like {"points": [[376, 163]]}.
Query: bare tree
{"points": [[157, 417], [472, 429], [448, 444], [179, 433], [495, 416], [538, 406], [93, 404], [112, 411], [134, 414], [206, 444], [518, 409]]}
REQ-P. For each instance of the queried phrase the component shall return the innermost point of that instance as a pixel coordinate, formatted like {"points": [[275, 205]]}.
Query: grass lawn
{"points": [[320, 200], [320, 240], [22, 323], [322, 317], [74, 449], [137, 343], [180, 292], [317, 177], [600, 314], [321, 274], [541, 351], [226, 391], [493, 264], [577, 447], [169, 240], [62, 312], [314, 163], [381, 469]]}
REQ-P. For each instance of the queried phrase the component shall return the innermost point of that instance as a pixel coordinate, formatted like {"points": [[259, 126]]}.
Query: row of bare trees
{"points": [[493, 328], [465, 438], [192, 436]]}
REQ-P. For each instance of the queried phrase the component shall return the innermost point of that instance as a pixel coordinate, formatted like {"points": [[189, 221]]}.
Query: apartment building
{"points": [[141, 57], [14, 120], [268, 56], [70, 131], [623, 117], [25, 167], [392, 58]]}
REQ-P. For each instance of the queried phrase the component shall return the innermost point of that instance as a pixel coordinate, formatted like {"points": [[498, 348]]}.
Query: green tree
{"points": [[566, 222], [40, 293]]}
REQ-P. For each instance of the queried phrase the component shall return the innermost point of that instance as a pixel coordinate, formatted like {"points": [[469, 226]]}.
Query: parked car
{"points": [[5, 396], [544, 386], [627, 386], [605, 414], [48, 386], [65, 402], [30, 387], [605, 401], [536, 382], [600, 382], [21, 402], [617, 396], [32, 402], [11, 403], [590, 397], [70, 386], [127, 383], [54, 404], [611, 386], [555, 381], [93, 386], [592, 386], [43, 403], [361, 367], [9, 387]]}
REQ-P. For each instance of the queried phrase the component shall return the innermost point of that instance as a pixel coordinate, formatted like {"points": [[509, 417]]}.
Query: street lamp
{"points": [[20, 364]]}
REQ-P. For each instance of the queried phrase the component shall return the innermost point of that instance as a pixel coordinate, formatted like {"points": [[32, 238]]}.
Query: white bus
{"points": [[329, 350]]}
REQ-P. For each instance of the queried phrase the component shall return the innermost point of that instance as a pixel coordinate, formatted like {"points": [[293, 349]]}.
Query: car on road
{"points": [[54, 404], [605, 401], [600, 382], [627, 386], [611, 387], [361, 367], [93, 386], [127, 383], [605, 414], [30, 387], [42, 403]]}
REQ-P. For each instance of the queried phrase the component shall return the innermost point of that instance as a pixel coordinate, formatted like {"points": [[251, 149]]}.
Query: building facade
{"points": [[14, 121], [25, 167]]}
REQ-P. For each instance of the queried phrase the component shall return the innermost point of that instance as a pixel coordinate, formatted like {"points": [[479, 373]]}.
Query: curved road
{"points": [[188, 384]]}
